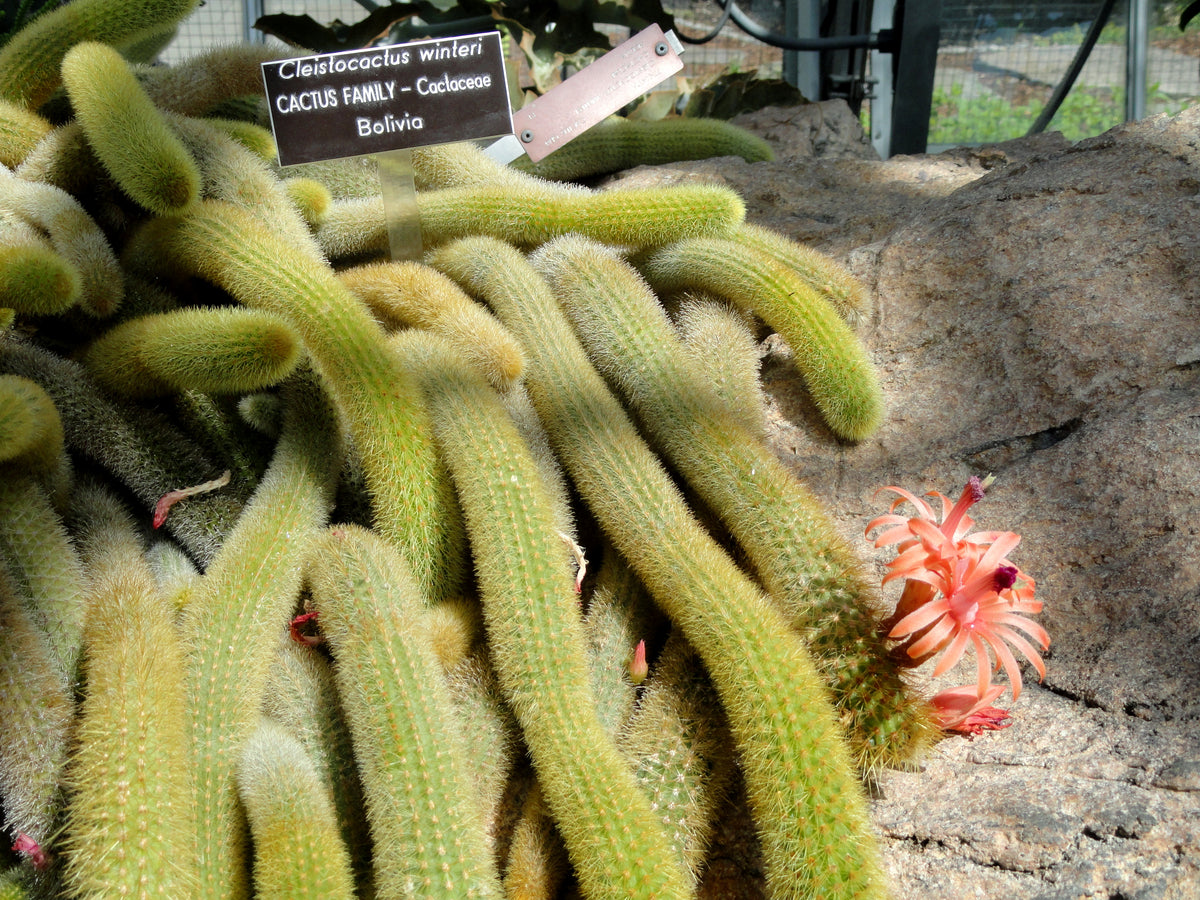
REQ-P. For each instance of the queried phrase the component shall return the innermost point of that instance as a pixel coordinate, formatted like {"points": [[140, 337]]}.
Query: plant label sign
{"points": [[395, 97], [623, 74]]}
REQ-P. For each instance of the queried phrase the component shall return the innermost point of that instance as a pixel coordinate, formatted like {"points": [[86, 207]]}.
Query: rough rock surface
{"points": [[1037, 316]]}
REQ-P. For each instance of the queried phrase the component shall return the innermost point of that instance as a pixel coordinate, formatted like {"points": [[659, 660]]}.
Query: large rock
{"points": [[1037, 316]]}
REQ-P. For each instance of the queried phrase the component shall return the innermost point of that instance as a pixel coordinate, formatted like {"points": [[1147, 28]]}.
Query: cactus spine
{"points": [[428, 832], [20, 130], [128, 133], [536, 639], [840, 375], [809, 807], [788, 537], [298, 849]]}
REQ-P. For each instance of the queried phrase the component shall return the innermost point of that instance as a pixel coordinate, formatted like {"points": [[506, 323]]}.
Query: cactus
{"points": [[718, 337], [74, 234], [619, 143], [412, 498], [235, 616], [129, 134], [538, 212], [407, 294], [811, 815], [35, 279], [139, 446], [298, 849], [302, 697], [218, 350], [789, 539], [36, 707], [536, 638], [130, 824], [836, 368], [428, 832], [679, 745], [30, 61], [821, 272], [20, 131], [198, 85]]}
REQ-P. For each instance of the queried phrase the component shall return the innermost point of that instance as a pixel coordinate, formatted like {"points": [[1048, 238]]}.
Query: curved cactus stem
{"points": [[536, 638], [426, 826], [618, 143], [20, 131], [35, 279], [412, 498], [129, 134], [808, 805], [408, 294], [131, 815], [789, 538], [30, 62], [222, 350], [237, 613], [298, 849], [74, 234], [836, 367]]}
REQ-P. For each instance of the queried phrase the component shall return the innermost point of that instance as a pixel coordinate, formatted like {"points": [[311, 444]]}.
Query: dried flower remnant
{"points": [[27, 846], [170, 498], [960, 591], [301, 630]]}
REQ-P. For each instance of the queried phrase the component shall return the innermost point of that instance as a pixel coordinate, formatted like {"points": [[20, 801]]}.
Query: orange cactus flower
{"points": [[961, 709], [961, 590]]}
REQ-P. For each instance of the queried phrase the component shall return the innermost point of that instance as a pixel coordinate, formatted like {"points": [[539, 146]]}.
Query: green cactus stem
{"points": [[74, 234], [719, 337], [408, 294], [237, 613], [196, 86], [619, 143], [20, 131], [35, 279], [31, 436], [786, 533], [44, 564], [808, 805], [536, 639], [836, 367], [311, 199], [30, 61], [679, 745], [302, 697], [298, 848], [66, 160], [129, 134], [221, 350], [130, 824], [145, 451], [234, 174], [428, 832], [413, 502], [821, 272], [255, 138], [646, 217], [36, 707], [537, 864]]}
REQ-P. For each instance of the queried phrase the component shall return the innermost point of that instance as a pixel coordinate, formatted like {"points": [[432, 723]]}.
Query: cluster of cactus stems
{"points": [[400, 649]]}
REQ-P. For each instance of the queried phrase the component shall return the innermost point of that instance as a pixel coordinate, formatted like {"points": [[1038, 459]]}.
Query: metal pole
{"points": [[252, 11], [802, 70], [1136, 57], [882, 16]]}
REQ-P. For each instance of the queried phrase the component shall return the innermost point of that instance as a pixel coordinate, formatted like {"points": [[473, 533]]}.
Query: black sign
{"points": [[388, 98]]}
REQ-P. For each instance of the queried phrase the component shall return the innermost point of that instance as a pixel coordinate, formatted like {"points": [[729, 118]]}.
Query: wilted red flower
{"points": [[960, 589]]}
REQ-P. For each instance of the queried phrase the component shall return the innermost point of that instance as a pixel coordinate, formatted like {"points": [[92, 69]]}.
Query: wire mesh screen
{"points": [[999, 62]]}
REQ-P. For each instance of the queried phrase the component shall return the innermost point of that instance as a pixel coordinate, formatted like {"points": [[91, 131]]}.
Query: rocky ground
{"points": [[1036, 316]]}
